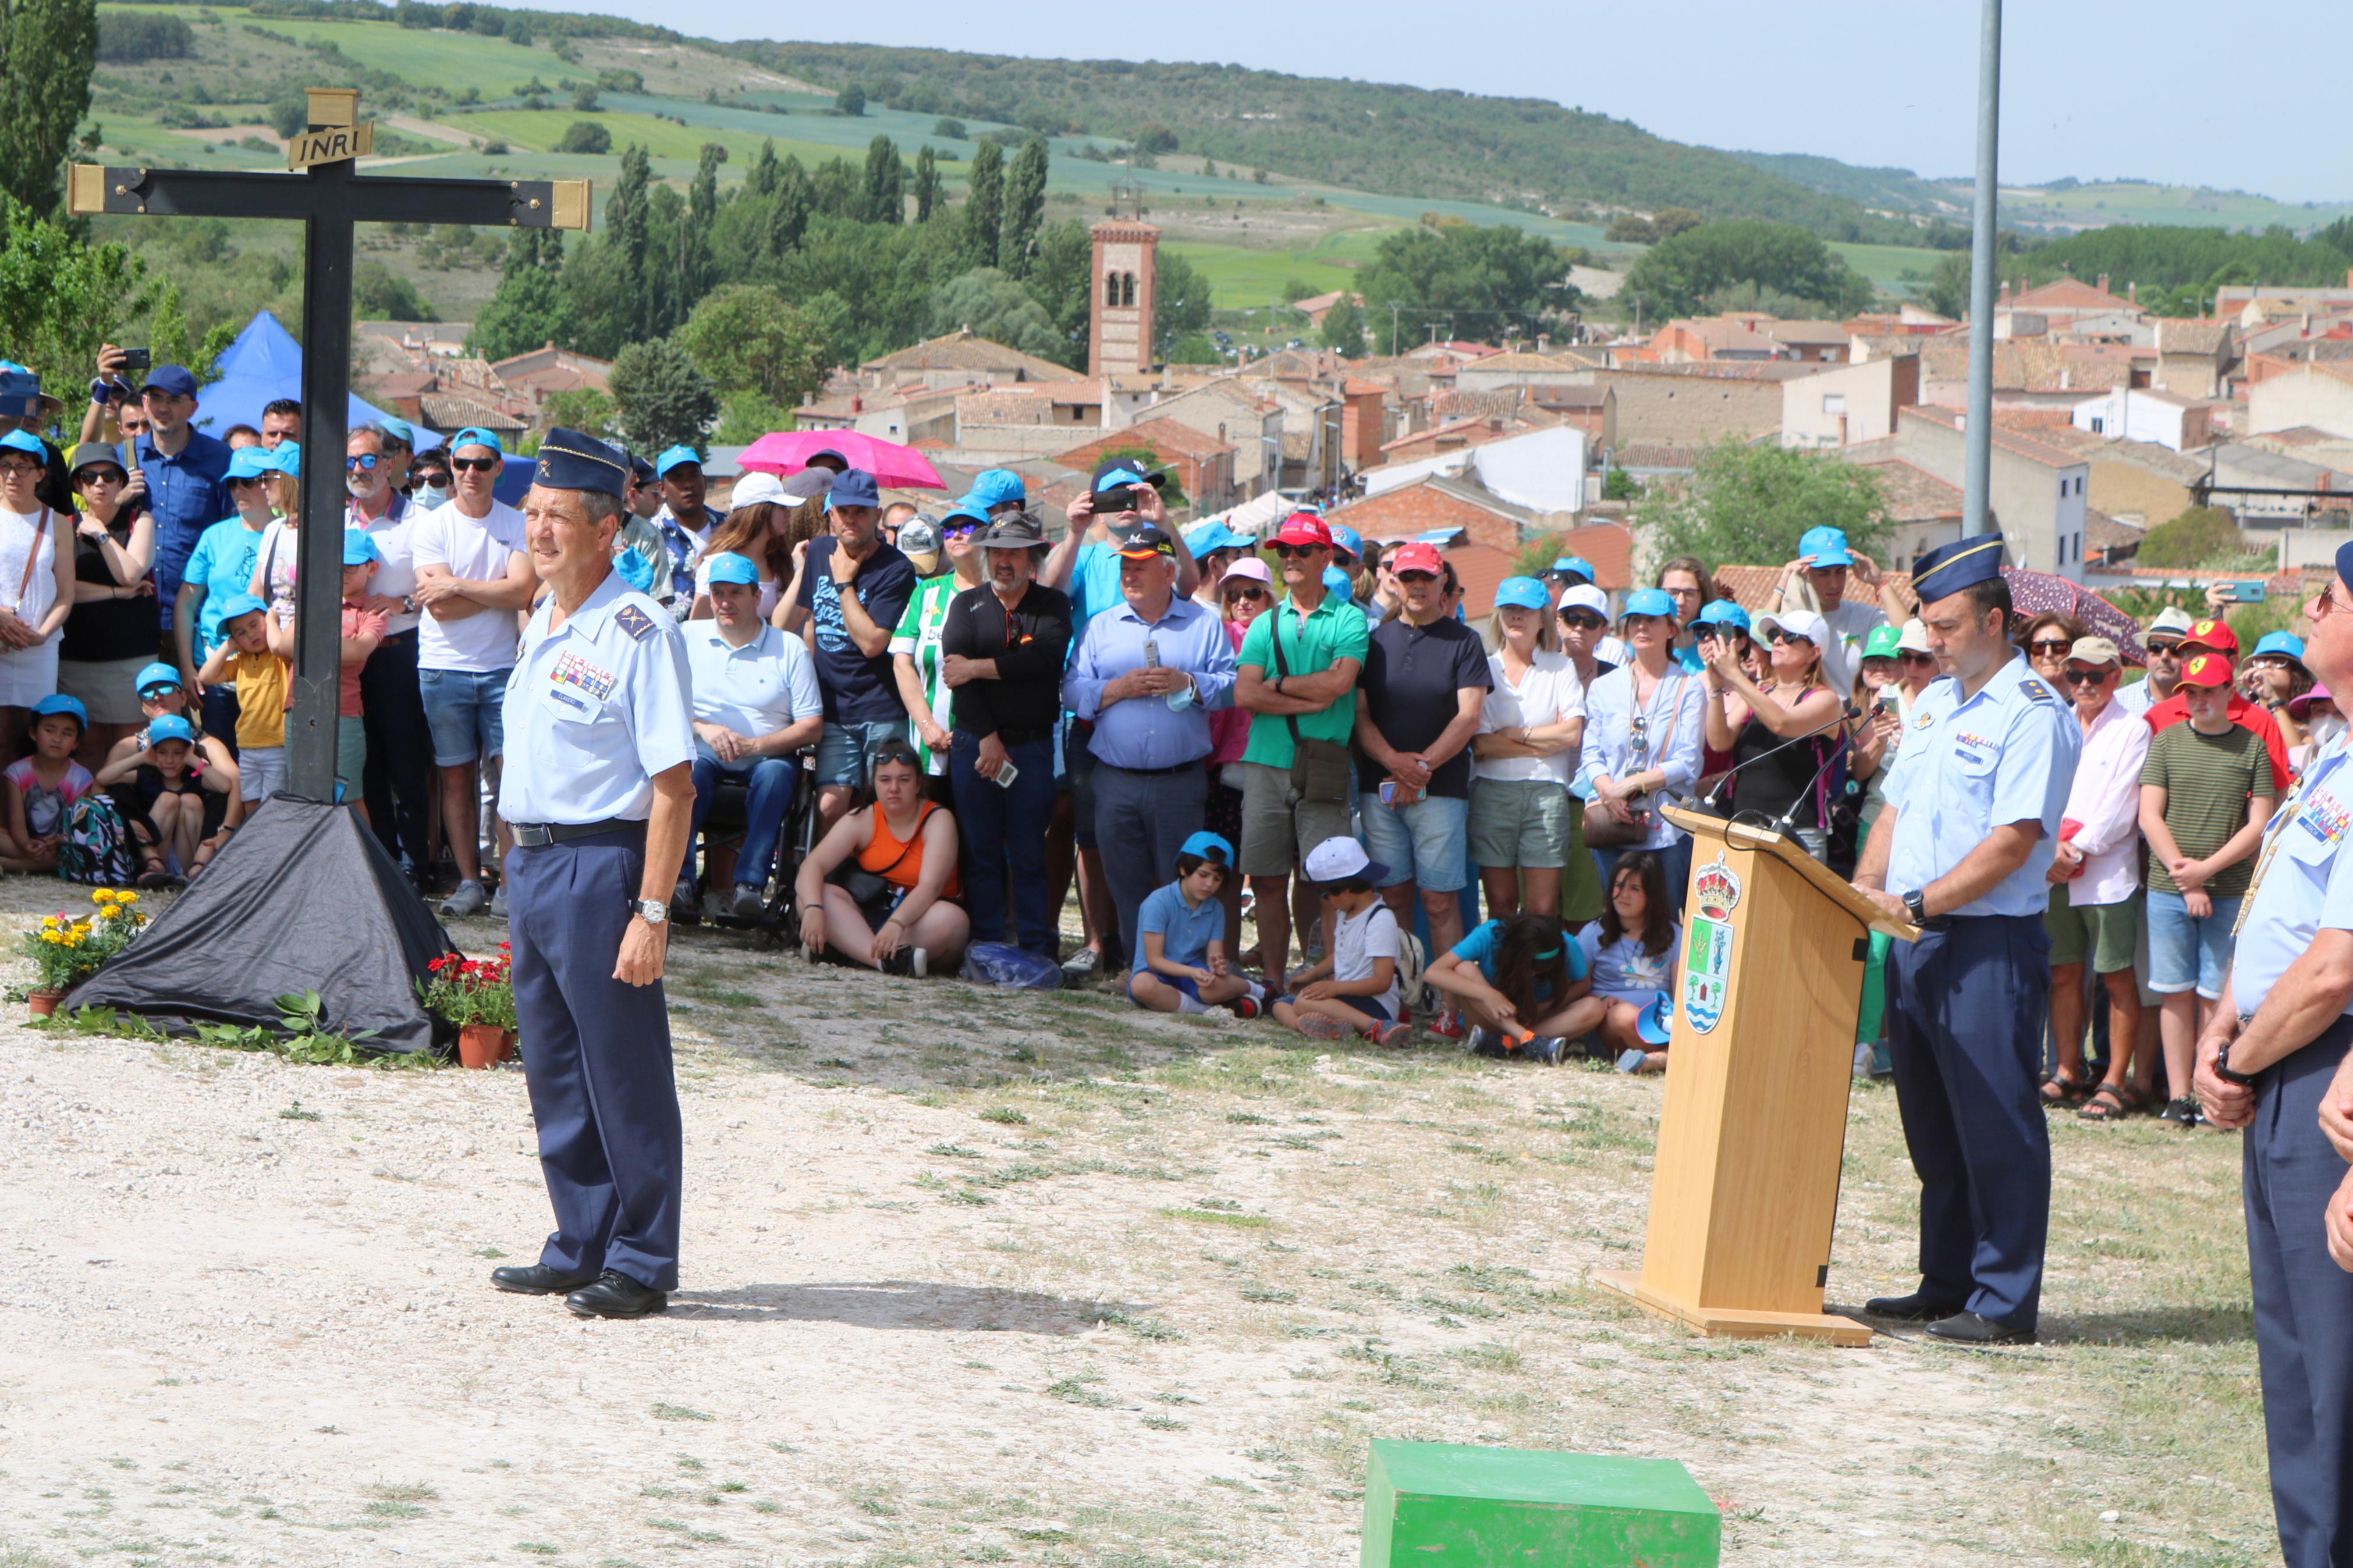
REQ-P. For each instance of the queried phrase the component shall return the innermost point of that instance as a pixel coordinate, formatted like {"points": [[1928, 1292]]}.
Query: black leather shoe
{"points": [[1968, 1328], [1916, 1308], [615, 1295], [538, 1280]]}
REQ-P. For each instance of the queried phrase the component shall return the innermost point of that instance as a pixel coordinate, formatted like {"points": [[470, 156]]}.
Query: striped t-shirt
{"points": [[2208, 780]]}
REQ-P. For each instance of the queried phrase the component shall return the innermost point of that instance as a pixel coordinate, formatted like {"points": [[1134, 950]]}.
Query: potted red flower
{"points": [[477, 994]]}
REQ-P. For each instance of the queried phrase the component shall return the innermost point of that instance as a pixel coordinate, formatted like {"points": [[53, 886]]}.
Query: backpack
{"points": [[1412, 994]]}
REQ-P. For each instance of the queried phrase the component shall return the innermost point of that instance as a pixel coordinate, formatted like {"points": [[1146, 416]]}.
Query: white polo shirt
{"points": [[756, 690]]}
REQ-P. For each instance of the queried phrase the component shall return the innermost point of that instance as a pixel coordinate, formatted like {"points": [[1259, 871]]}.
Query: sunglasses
{"points": [[1250, 592], [156, 693], [2173, 649], [476, 465], [1582, 620], [2085, 676], [245, 480], [965, 532], [1417, 577], [1910, 658], [1287, 551], [100, 477], [2049, 645], [1782, 636], [363, 463]]}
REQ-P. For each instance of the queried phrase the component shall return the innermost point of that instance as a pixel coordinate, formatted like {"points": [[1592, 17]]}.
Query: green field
{"points": [[2093, 207], [540, 129], [1886, 265], [452, 61]]}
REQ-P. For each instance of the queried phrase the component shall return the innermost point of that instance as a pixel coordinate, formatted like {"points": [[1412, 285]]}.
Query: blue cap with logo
{"points": [[853, 487], [1721, 612], [1577, 564], [1650, 602], [251, 463], [475, 435], [569, 460], [172, 380], [400, 429], [58, 702], [1824, 547], [994, 487], [358, 547], [675, 455], [156, 677], [2288, 645], [20, 441], [1523, 593], [1209, 846], [1347, 539], [1949, 568], [237, 605], [170, 727], [729, 567]]}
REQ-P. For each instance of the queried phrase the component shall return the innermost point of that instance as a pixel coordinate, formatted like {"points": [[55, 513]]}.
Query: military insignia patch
{"points": [[634, 621], [544, 471], [2037, 690]]}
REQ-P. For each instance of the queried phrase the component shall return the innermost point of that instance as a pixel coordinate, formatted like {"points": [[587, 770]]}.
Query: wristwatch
{"points": [[2222, 1068], [1916, 904], [653, 912]]}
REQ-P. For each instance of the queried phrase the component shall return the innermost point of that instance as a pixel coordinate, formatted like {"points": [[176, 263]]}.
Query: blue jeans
{"points": [[1426, 842], [1005, 827], [770, 795], [465, 713]]}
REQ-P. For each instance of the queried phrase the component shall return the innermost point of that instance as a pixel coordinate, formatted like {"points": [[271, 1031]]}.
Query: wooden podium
{"points": [[1743, 1188]]}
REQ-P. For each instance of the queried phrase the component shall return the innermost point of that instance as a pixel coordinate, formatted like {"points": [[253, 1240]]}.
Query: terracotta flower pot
{"points": [[44, 1002], [481, 1045]]}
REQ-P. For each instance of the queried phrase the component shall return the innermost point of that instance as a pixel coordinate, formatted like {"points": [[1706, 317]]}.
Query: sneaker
{"points": [[468, 899], [499, 903], [1245, 1008], [1083, 963], [1545, 1048], [682, 899], [919, 961], [2183, 1110], [1390, 1034], [1481, 1044], [750, 901], [1446, 1024]]}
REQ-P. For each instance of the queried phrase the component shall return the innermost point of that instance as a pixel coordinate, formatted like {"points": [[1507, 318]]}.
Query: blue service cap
{"points": [[1209, 846], [1576, 563], [729, 567], [1525, 593], [1346, 538], [994, 487], [1204, 537], [155, 676], [569, 460], [853, 487], [237, 605], [2288, 645], [358, 547], [475, 435], [1949, 568], [675, 455], [58, 702], [251, 463], [173, 379], [287, 459], [21, 441], [170, 727], [1827, 546], [1656, 1022], [1650, 602], [400, 429], [1721, 612]]}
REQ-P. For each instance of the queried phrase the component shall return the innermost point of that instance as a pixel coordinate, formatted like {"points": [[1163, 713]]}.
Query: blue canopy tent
{"points": [[264, 363]]}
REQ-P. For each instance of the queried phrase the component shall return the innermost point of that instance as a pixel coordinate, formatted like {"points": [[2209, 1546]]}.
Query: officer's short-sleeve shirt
{"points": [[2304, 884], [594, 709], [1969, 765]]}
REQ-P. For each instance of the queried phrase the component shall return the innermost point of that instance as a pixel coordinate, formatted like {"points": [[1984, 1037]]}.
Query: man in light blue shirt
{"points": [[1146, 672], [755, 706], [1962, 849], [2274, 1060]]}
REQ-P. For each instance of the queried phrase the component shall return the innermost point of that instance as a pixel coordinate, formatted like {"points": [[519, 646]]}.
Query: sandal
{"points": [[2059, 1092], [154, 876], [2111, 1102]]}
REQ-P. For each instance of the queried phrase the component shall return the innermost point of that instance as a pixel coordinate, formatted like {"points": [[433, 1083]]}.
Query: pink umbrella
{"points": [[784, 452], [2035, 594]]}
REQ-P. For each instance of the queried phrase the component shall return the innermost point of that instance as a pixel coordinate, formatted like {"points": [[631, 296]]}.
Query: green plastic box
{"points": [[1445, 1505]]}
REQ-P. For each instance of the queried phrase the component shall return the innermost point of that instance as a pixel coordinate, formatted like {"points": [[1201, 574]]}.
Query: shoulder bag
{"points": [[1319, 769]]}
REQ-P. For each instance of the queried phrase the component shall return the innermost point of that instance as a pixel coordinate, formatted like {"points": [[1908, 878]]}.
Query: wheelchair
{"points": [[778, 924]]}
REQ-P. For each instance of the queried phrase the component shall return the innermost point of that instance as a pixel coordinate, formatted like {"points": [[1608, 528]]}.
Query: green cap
{"points": [[1882, 643]]}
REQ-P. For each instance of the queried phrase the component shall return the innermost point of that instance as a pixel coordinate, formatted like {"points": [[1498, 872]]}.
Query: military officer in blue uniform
{"points": [[600, 741], [1961, 851], [2273, 1061]]}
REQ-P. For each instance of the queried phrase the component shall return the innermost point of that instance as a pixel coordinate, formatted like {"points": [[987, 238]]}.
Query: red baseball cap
{"points": [[2216, 635], [1304, 528], [2206, 670], [1417, 557]]}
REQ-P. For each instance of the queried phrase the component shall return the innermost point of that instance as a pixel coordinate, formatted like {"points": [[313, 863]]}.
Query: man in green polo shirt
{"points": [[1297, 677]]}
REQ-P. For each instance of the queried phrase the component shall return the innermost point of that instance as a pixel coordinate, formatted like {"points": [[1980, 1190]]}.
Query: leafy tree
{"points": [[851, 101], [60, 299], [749, 338], [1061, 280], [715, 151], [1025, 203], [584, 98], [46, 50], [585, 136], [762, 181], [1747, 506], [1630, 228], [583, 408], [1155, 138], [661, 398], [381, 295], [1194, 348], [1297, 289], [124, 36], [2201, 535], [886, 183], [174, 343], [1670, 222], [1679, 273], [994, 307], [702, 210], [745, 416], [1344, 328], [628, 223], [1947, 292], [835, 190], [1180, 302], [983, 205], [1485, 278], [790, 220], [929, 196], [951, 129], [530, 308]]}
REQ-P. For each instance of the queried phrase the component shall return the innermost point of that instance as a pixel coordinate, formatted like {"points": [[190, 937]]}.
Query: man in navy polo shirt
{"points": [[853, 589], [187, 478]]}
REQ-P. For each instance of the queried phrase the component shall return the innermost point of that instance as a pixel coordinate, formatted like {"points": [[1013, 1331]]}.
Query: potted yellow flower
{"points": [[64, 953]]}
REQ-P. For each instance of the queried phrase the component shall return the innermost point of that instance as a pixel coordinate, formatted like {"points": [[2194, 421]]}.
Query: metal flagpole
{"points": [[1977, 437]]}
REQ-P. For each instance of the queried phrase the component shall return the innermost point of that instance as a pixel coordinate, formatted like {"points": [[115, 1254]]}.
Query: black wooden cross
{"points": [[327, 196]]}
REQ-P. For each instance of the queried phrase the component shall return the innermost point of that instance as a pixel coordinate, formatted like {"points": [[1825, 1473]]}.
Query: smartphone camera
{"points": [[138, 359]]}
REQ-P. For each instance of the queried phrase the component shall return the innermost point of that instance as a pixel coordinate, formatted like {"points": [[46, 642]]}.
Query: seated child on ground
{"points": [[1630, 954], [243, 655], [182, 812], [1181, 939], [1353, 991], [42, 788], [1522, 984]]}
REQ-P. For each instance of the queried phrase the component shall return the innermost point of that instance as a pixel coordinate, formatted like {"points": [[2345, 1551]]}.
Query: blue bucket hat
{"points": [[675, 455], [154, 677], [58, 702], [170, 727], [1576, 563], [237, 605], [729, 567], [251, 463], [1525, 593], [569, 460], [475, 435], [1721, 612], [1650, 602], [852, 487], [1209, 847], [1826, 545], [358, 547], [994, 487]]}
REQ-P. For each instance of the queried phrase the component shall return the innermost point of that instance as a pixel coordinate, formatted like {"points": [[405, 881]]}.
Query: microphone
{"points": [[1847, 711], [1786, 823]]}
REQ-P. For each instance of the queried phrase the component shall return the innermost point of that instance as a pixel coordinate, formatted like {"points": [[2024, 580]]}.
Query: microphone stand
{"points": [[1847, 711], [1785, 825]]}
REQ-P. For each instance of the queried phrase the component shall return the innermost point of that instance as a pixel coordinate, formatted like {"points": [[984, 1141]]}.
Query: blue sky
{"points": [[2157, 90]]}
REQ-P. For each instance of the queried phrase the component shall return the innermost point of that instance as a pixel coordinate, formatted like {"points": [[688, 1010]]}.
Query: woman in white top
{"points": [[274, 563], [36, 585], [759, 530], [1642, 743], [1525, 824]]}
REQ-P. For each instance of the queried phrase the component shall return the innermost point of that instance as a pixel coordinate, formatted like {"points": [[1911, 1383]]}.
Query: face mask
{"points": [[430, 495], [2325, 728]]}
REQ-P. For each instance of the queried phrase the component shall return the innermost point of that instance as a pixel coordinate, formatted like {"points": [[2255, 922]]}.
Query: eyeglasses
{"points": [[2085, 676], [20, 466], [361, 462], [1582, 620], [2049, 645], [476, 465]]}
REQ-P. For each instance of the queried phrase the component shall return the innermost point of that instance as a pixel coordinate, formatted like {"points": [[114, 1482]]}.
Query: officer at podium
{"points": [[1961, 851]]}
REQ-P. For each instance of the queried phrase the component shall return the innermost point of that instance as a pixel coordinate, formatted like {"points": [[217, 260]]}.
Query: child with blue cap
{"points": [[1181, 965], [181, 811], [242, 659], [40, 790], [362, 633]]}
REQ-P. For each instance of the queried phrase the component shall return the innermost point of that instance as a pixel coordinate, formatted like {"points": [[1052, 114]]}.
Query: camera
{"points": [[138, 359]]}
